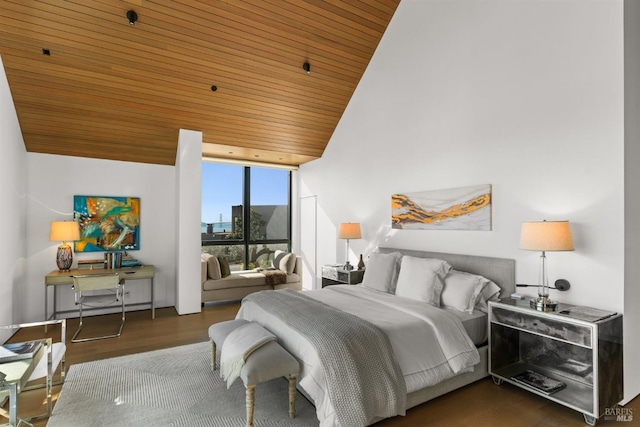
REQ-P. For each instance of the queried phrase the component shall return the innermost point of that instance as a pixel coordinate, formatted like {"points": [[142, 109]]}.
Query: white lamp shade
{"points": [[349, 230], [64, 231], [546, 236]]}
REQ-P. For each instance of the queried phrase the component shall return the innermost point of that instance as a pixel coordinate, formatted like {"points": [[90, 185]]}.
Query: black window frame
{"points": [[246, 241]]}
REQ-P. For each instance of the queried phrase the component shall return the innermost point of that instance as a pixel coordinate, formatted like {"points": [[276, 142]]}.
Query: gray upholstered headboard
{"points": [[500, 270]]}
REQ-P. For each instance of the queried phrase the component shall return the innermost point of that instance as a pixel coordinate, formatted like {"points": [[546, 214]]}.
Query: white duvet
{"points": [[429, 343]]}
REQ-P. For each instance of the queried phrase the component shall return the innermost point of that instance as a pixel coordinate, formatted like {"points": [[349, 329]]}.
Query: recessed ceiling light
{"points": [[132, 16]]}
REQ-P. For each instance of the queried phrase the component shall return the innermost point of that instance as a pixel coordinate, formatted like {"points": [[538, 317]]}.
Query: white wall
{"points": [[12, 214], [54, 180], [524, 95], [632, 194]]}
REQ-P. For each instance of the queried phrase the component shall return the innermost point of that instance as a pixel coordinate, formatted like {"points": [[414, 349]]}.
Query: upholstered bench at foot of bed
{"points": [[264, 364]]}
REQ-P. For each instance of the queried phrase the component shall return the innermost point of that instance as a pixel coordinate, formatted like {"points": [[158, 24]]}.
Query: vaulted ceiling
{"points": [[87, 83]]}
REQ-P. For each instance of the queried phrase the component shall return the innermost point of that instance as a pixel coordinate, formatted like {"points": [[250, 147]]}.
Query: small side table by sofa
{"points": [[16, 375], [335, 275]]}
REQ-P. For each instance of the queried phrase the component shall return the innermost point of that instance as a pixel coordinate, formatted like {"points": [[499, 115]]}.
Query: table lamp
{"points": [[64, 231], [545, 236], [349, 230]]}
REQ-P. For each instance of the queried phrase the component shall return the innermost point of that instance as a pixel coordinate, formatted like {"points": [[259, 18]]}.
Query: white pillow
{"points": [[490, 292], [461, 291], [421, 279], [382, 272]]}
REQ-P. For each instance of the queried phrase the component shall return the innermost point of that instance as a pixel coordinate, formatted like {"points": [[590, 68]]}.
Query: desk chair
{"points": [[45, 368], [93, 290]]}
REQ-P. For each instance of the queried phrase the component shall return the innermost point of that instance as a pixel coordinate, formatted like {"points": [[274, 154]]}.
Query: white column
{"points": [[631, 201], [188, 213]]}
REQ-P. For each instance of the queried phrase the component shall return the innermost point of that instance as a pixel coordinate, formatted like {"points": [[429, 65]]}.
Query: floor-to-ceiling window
{"points": [[246, 213]]}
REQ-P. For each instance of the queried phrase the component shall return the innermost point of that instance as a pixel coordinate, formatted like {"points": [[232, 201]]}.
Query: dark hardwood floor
{"points": [[480, 404]]}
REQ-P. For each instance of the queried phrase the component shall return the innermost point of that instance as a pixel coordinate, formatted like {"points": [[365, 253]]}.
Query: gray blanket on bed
{"points": [[364, 380]]}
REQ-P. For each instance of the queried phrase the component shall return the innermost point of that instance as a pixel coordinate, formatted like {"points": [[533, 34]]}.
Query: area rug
{"points": [[169, 387]]}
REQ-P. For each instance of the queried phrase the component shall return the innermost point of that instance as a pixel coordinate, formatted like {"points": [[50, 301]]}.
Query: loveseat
{"points": [[220, 284]]}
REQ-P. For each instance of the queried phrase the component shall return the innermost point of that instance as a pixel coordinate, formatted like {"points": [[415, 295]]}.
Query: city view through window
{"points": [[246, 237]]}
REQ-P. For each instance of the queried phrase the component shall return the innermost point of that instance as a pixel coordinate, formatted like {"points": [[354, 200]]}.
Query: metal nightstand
{"points": [[335, 275], [584, 355]]}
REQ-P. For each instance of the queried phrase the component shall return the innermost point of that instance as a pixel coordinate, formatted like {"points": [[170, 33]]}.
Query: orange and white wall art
{"points": [[464, 208]]}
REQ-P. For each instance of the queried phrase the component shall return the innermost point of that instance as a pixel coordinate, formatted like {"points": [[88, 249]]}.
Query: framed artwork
{"points": [[464, 208], [107, 223]]}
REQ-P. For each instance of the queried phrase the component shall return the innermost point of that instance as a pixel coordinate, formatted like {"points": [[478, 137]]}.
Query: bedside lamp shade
{"points": [[64, 231], [349, 230], [545, 236]]}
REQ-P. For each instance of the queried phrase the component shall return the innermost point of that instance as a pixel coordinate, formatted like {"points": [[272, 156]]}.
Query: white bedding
{"points": [[475, 324], [414, 329]]}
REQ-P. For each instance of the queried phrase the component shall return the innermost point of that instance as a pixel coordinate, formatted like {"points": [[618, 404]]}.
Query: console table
{"points": [[57, 277]]}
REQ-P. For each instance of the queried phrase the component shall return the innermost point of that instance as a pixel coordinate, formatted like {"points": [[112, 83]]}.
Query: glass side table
{"points": [[17, 375]]}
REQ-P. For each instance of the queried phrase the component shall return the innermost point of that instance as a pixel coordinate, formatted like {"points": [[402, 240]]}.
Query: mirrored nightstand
{"points": [[335, 275]]}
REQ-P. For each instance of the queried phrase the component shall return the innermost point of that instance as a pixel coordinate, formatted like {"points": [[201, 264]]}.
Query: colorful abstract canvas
{"points": [[107, 223], [464, 208]]}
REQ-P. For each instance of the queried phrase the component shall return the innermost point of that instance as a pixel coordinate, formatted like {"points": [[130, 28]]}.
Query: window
{"points": [[246, 237]]}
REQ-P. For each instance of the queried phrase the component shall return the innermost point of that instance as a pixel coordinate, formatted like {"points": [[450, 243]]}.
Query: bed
{"points": [[454, 331]]}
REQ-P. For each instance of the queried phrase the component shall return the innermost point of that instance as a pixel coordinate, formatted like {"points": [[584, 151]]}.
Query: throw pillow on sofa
{"points": [[285, 261], [224, 266], [213, 266]]}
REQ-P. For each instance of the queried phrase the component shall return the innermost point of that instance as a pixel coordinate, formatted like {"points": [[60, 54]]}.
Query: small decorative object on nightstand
{"points": [[361, 263], [336, 275], [572, 357]]}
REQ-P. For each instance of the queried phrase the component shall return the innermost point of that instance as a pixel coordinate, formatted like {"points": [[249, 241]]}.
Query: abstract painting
{"points": [[464, 208], [107, 223]]}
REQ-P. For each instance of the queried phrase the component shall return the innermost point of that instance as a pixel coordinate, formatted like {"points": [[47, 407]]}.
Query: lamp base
{"points": [[64, 257], [348, 266], [544, 304]]}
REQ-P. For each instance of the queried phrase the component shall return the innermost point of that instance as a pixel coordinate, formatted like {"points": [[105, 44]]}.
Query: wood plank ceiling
{"points": [[111, 90]]}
